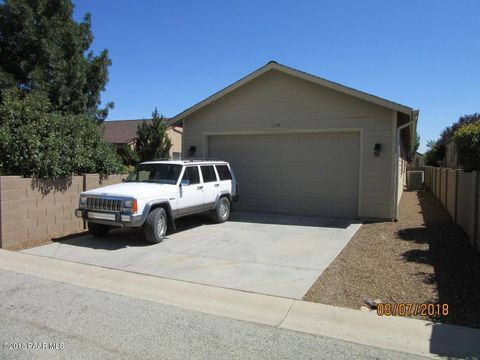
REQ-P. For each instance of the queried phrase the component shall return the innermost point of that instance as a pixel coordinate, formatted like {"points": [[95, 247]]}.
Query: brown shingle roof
{"points": [[121, 131]]}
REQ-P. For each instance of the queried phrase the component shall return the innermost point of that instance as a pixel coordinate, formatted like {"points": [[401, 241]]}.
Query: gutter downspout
{"points": [[412, 121]]}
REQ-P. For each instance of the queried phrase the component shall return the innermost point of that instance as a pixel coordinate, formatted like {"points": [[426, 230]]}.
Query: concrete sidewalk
{"points": [[394, 333]]}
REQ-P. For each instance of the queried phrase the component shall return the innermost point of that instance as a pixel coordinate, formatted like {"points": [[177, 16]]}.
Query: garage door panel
{"points": [[300, 174]]}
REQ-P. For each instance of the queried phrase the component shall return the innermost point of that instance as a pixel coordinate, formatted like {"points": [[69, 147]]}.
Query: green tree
{"points": [[36, 141], [436, 148], [435, 153], [42, 49], [153, 141], [127, 155], [467, 142], [417, 143]]}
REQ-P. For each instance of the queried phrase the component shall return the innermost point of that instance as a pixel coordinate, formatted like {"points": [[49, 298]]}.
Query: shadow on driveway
{"points": [[132, 237], [276, 219]]}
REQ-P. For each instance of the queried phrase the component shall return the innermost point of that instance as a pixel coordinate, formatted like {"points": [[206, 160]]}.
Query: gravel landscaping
{"points": [[422, 258]]}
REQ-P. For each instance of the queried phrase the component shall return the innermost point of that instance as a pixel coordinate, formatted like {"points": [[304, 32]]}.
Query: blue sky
{"points": [[171, 54]]}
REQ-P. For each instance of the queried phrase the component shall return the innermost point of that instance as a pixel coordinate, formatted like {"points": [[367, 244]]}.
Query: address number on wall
{"points": [[275, 125]]}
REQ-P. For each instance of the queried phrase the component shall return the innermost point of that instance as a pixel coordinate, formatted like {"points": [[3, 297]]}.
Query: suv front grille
{"points": [[95, 203]]}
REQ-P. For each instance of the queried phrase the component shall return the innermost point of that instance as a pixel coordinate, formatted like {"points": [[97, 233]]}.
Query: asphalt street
{"points": [[44, 319]]}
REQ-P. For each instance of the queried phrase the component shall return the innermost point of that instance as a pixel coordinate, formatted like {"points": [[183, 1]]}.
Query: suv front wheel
{"points": [[221, 213], [156, 225]]}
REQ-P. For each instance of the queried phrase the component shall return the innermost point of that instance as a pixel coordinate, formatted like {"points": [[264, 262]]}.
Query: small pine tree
{"points": [[153, 141]]}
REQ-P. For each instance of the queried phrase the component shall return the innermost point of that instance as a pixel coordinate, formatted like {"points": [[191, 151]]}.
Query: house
{"points": [[418, 160], [450, 160], [121, 132], [303, 145]]}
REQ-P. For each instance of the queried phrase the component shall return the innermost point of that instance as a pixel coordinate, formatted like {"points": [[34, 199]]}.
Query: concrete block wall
{"points": [[459, 193], [467, 199], [452, 180], [443, 187], [438, 184], [35, 210]]}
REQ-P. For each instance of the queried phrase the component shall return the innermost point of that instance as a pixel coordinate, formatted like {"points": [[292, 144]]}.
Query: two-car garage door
{"points": [[299, 174]]}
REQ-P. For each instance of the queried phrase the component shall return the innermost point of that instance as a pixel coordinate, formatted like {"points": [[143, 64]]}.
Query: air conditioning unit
{"points": [[415, 180]]}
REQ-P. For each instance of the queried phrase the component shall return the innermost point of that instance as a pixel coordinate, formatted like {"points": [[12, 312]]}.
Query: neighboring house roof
{"points": [[272, 65], [122, 131]]}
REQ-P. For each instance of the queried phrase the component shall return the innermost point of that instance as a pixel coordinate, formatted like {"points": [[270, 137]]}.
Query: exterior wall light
{"points": [[376, 149], [191, 151]]}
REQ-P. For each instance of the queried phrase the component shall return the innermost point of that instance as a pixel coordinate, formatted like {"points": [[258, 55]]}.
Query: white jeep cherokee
{"points": [[157, 193]]}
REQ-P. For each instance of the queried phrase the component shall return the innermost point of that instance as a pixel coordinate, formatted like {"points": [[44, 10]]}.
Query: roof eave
{"points": [[296, 73]]}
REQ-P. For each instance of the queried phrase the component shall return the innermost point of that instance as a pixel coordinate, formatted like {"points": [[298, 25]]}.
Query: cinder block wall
{"points": [[36, 210], [452, 177], [468, 203], [443, 186], [459, 192]]}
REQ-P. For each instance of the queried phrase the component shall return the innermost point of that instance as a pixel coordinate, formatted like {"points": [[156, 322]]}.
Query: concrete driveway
{"points": [[262, 253]]}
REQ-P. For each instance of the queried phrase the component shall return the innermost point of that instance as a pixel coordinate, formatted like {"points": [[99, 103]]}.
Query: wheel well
{"points": [[168, 210], [227, 196], [162, 205]]}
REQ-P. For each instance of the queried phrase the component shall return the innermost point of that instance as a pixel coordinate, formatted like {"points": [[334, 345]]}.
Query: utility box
{"points": [[415, 180]]}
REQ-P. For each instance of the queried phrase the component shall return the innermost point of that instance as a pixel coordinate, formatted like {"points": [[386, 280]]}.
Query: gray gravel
{"points": [[96, 325], [422, 258]]}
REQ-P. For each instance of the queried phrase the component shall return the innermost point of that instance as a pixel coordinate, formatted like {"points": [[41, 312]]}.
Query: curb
{"points": [[393, 333]]}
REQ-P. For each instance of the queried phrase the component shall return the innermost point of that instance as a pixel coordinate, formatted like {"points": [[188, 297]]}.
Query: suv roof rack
{"points": [[187, 159], [200, 159]]}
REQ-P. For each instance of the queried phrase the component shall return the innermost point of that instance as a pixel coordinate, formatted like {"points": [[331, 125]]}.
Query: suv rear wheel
{"points": [[98, 230], [156, 225], [221, 213]]}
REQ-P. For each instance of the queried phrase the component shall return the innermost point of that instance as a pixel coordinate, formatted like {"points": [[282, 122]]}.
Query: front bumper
{"points": [[113, 218]]}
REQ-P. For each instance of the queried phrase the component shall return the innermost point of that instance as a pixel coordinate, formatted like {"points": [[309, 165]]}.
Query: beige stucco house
{"points": [[120, 132], [303, 145]]}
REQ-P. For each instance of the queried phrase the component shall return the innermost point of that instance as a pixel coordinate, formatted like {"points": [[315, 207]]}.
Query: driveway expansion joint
{"points": [[286, 314]]}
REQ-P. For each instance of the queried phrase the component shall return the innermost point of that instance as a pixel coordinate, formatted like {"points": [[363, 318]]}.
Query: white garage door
{"points": [[299, 174]]}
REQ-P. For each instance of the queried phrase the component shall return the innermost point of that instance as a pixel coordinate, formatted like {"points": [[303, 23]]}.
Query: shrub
{"points": [[467, 142], [34, 141]]}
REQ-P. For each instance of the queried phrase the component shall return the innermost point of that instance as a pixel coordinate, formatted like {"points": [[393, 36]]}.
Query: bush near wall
{"points": [[467, 142], [36, 141]]}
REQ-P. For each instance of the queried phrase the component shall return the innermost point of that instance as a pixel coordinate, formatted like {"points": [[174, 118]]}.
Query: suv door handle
{"points": [[199, 187], [217, 185]]}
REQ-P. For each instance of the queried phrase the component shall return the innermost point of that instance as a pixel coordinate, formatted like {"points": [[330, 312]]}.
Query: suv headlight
{"points": [[83, 202], [130, 205]]}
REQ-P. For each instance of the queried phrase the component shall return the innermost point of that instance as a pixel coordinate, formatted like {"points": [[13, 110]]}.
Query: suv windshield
{"points": [[156, 173]]}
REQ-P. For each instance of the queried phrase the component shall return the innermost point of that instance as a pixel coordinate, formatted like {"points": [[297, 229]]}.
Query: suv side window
{"points": [[191, 174], [208, 173], [223, 172]]}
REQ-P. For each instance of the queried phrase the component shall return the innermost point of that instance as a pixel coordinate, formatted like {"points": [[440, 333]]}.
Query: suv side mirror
{"points": [[184, 182]]}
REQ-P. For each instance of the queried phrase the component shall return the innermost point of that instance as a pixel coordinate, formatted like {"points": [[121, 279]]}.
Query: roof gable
{"points": [[272, 65]]}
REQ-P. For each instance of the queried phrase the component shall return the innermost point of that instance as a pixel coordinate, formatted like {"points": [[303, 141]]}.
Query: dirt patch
{"points": [[35, 243], [422, 258]]}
